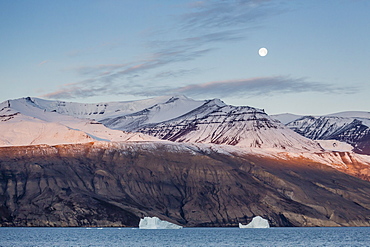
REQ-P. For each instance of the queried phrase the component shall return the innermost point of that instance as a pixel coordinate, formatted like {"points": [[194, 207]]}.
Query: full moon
{"points": [[262, 52]]}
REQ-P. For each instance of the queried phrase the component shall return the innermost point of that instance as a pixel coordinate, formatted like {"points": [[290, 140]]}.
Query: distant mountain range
{"points": [[192, 162], [177, 119], [180, 119], [350, 127]]}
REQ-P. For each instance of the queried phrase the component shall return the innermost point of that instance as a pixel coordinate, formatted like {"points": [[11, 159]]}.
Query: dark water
{"points": [[323, 236]]}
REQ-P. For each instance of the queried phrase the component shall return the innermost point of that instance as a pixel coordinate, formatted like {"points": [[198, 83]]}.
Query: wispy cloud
{"points": [[113, 79], [174, 73], [204, 25], [261, 86], [250, 87], [43, 62], [212, 14]]}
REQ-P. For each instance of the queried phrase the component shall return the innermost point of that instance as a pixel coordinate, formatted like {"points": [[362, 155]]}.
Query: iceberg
{"points": [[257, 222], [156, 223]]}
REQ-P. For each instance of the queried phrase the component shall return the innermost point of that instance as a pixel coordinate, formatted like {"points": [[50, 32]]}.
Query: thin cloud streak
{"points": [[209, 15], [43, 62], [250, 87], [207, 24], [261, 86], [104, 79], [231, 19]]}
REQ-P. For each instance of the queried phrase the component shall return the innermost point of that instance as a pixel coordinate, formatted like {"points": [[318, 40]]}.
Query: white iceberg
{"points": [[156, 223], [257, 222]]}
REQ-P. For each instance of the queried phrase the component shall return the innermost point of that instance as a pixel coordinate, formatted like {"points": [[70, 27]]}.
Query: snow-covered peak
{"points": [[346, 116], [174, 118], [241, 126], [99, 111], [173, 108], [350, 127], [23, 122], [352, 114], [218, 102]]}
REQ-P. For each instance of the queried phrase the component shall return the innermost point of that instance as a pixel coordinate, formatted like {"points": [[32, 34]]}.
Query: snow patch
{"points": [[334, 145], [352, 114]]}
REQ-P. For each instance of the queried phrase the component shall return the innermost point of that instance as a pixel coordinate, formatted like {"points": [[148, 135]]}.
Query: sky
{"points": [[318, 59]]}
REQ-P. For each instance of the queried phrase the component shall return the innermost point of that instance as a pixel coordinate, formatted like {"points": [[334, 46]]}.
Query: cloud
{"points": [[174, 73], [204, 25], [250, 87], [95, 70], [109, 79], [211, 14], [211, 22], [43, 62]]}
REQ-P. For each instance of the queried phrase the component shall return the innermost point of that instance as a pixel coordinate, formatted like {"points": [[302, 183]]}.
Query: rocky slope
{"points": [[216, 165], [177, 118], [114, 184], [350, 127], [218, 123]]}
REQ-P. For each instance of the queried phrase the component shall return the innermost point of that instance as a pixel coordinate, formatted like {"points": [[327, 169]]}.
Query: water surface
{"points": [[320, 236]]}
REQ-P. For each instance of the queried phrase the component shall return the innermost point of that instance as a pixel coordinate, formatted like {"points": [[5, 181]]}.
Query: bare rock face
{"points": [[351, 130], [218, 123], [116, 185]]}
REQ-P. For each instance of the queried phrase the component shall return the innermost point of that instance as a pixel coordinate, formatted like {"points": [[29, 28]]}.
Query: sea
{"points": [[275, 236]]}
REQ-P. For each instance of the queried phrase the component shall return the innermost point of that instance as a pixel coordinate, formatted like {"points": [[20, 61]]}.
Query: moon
{"points": [[262, 52]]}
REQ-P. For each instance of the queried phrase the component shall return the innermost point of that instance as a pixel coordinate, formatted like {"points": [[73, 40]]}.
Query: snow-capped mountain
{"points": [[92, 172], [171, 108], [22, 122], [216, 122], [349, 127], [161, 108], [177, 118], [180, 119]]}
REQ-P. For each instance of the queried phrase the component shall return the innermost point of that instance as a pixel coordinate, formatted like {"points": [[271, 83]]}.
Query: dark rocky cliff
{"points": [[115, 185]]}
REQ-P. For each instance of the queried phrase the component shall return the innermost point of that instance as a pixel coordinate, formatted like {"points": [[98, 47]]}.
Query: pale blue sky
{"points": [[109, 50]]}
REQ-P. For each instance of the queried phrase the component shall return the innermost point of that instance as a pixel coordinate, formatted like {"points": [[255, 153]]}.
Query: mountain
{"points": [[116, 184], [172, 108], [350, 127], [180, 119], [154, 110], [33, 121], [190, 162], [23, 122], [218, 123]]}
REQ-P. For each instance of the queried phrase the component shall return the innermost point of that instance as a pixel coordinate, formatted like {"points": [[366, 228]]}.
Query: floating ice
{"points": [[156, 223], [257, 222]]}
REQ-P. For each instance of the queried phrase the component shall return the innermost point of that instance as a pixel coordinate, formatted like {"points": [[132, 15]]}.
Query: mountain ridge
{"points": [[115, 184], [194, 163], [24, 123], [352, 127], [210, 121]]}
